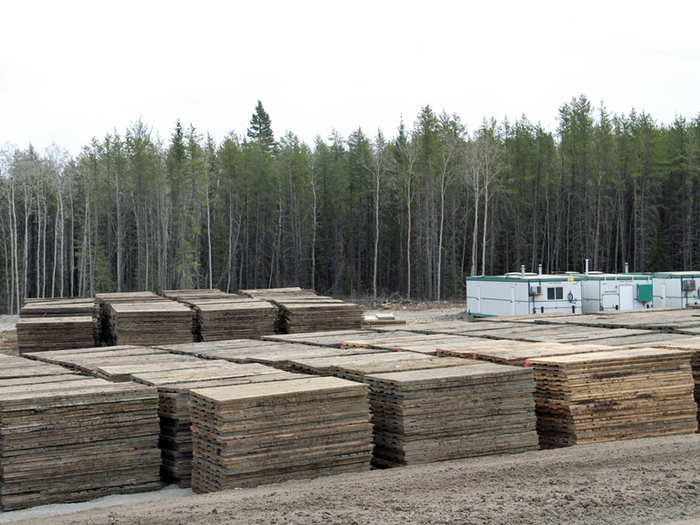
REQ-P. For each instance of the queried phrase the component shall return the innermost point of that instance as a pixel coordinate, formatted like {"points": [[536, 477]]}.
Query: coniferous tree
{"points": [[260, 130]]}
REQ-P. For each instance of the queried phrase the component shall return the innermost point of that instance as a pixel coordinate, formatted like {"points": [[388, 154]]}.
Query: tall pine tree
{"points": [[260, 129]]}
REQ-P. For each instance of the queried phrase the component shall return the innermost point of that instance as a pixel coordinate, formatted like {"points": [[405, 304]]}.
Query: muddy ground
{"points": [[639, 481]]}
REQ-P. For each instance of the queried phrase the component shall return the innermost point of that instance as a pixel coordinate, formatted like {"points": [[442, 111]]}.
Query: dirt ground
{"points": [[639, 481]]}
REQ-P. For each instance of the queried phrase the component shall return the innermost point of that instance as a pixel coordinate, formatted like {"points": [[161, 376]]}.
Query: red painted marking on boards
{"points": [[474, 355], [527, 363]]}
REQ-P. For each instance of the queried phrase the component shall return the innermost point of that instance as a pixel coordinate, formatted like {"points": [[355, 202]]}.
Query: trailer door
{"points": [[626, 297]]}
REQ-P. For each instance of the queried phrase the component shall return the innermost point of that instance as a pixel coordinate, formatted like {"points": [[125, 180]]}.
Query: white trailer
{"points": [[521, 293], [676, 289], [616, 291]]}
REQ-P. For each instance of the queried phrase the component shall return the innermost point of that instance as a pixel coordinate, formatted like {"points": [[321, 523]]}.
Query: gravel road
{"points": [[640, 481]]}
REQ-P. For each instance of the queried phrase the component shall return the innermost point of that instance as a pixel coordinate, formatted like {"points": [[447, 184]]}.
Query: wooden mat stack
{"points": [[103, 311], [291, 292], [610, 395], [691, 344], [313, 316], [117, 363], [325, 366], [249, 435], [75, 439], [334, 338], [516, 353], [58, 307], [232, 318], [174, 406], [13, 367], [280, 355], [36, 334], [421, 416], [147, 323], [359, 371], [197, 293]]}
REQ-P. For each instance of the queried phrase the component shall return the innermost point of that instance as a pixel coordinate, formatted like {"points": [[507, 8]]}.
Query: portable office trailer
{"points": [[616, 291], [676, 289], [522, 293]]}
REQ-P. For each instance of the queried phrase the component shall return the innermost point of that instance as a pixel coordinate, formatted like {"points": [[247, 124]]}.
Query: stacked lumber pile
{"points": [[76, 439], [280, 355], [254, 434], [407, 342], [174, 406], [291, 292], [185, 295], [692, 345], [325, 366], [13, 367], [149, 323], [515, 353], [58, 307], [36, 334], [359, 371], [117, 363], [232, 318], [334, 338], [311, 316], [102, 311], [610, 395], [421, 416]]}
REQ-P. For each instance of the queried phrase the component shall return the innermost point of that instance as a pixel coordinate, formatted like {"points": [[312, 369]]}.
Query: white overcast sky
{"points": [[73, 70]]}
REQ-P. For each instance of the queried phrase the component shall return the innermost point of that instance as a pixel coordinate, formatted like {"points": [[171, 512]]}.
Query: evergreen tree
{"points": [[260, 130]]}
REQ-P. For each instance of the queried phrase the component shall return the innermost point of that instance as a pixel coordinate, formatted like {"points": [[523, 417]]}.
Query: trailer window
{"points": [[555, 293]]}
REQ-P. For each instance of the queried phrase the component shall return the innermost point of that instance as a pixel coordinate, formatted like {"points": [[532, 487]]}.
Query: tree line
{"points": [[368, 215]]}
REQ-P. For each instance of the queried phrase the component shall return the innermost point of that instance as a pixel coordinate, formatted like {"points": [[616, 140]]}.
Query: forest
{"points": [[406, 215]]}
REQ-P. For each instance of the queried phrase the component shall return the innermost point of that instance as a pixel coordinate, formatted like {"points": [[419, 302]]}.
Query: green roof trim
{"points": [[500, 278], [675, 276], [623, 277]]}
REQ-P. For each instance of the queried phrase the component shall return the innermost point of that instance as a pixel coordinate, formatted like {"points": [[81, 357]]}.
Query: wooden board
{"points": [[316, 315], [35, 334], [72, 440], [232, 318], [174, 388], [434, 414], [260, 433], [615, 394], [148, 323]]}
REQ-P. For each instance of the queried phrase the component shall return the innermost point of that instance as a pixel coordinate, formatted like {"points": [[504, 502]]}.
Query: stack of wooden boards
{"points": [[68, 438], [118, 363], [508, 352], [232, 318], [268, 294], [58, 307], [263, 433], [691, 344], [280, 355], [610, 395], [197, 293], [319, 314], [103, 311], [148, 323], [305, 311], [174, 406], [437, 414], [36, 334]]}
